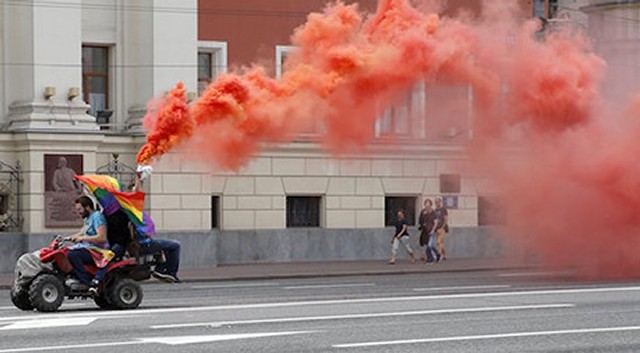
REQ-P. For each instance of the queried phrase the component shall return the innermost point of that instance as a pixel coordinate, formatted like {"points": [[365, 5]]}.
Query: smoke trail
{"points": [[562, 161], [347, 70], [168, 122]]}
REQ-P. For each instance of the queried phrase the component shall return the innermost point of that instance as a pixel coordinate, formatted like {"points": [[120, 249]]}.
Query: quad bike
{"points": [[44, 277]]}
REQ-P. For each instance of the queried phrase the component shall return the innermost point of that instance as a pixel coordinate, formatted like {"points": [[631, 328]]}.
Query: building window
{"points": [[545, 8], [406, 116], [215, 212], [282, 51], [205, 71], [393, 204], [95, 78], [491, 211], [303, 211], [212, 61], [450, 183]]}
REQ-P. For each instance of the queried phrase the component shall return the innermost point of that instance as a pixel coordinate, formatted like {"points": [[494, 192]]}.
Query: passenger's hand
{"points": [[392, 239], [144, 171]]}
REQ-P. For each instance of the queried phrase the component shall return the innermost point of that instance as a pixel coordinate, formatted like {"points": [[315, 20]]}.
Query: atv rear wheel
{"points": [[20, 298], [46, 293], [126, 294]]}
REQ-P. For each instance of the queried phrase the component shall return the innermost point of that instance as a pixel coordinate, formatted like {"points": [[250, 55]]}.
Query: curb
{"points": [[232, 278], [347, 274]]}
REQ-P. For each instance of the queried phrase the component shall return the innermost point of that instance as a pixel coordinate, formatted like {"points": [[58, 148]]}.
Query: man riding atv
{"points": [[92, 236], [43, 278]]}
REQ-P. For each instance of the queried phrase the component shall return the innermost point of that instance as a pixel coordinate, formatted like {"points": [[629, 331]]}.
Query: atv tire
{"points": [[102, 300], [126, 294], [46, 293], [20, 298]]}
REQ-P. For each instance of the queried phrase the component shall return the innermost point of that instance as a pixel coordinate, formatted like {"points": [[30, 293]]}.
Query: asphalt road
{"points": [[446, 312]]}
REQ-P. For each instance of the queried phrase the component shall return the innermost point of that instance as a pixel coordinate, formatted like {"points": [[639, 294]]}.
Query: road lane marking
{"points": [[532, 274], [64, 305], [139, 312], [47, 323], [70, 346], [497, 286], [320, 286], [364, 316], [177, 340], [486, 337], [238, 285]]}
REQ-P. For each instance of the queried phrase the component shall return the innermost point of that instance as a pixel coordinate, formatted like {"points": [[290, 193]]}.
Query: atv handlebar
{"points": [[59, 239]]}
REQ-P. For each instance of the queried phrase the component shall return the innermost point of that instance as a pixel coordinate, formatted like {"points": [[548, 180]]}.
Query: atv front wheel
{"points": [[46, 293], [20, 298], [102, 300], [126, 294]]}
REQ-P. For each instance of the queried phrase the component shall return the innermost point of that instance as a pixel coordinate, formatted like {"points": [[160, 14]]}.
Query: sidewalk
{"points": [[328, 269]]}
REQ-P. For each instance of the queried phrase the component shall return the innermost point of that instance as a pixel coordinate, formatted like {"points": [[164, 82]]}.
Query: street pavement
{"points": [[431, 309], [331, 268]]}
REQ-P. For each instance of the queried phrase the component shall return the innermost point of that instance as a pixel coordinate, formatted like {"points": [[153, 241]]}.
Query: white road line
{"points": [[238, 285], [70, 346], [47, 323], [176, 340], [345, 285], [139, 312], [458, 288], [365, 316], [159, 340], [486, 337], [531, 274], [64, 305]]}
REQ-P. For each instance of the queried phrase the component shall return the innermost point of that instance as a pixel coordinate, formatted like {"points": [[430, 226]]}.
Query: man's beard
{"points": [[85, 213]]}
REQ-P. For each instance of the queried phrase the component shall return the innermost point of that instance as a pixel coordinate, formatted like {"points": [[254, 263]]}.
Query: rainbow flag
{"points": [[111, 195]]}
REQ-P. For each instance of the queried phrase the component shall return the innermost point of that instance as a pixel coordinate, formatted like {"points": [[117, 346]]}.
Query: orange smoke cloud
{"points": [[344, 59], [168, 122], [565, 167]]}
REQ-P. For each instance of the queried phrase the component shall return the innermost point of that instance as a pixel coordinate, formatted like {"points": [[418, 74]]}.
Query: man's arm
{"points": [[99, 238], [435, 225]]}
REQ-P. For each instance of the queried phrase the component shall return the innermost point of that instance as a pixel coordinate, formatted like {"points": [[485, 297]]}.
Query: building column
{"points": [[43, 69], [170, 40]]}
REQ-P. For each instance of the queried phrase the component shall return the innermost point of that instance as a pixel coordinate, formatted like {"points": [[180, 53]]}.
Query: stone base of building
{"points": [[210, 249]]}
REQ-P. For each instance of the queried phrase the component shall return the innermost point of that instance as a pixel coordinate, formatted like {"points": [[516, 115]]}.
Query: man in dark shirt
{"points": [[401, 235]]}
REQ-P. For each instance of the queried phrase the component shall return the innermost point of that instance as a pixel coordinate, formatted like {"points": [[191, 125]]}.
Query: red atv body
{"points": [[42, 280]]}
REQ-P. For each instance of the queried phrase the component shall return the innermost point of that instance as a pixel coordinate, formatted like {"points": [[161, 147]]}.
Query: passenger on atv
{"points": [[124, 238]]}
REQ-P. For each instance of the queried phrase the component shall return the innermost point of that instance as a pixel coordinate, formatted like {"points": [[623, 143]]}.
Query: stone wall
{"points": [[210, 249]]}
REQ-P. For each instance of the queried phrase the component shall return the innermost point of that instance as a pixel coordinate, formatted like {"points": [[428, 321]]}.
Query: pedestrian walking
{"points": [[401, 235], [442, 228], [428, 225], [425, 224]]}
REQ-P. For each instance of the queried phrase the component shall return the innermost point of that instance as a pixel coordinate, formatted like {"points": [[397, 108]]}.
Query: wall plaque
{"points": [[61, 190]]}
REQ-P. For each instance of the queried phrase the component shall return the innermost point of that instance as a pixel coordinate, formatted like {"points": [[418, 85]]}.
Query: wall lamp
{"points": [[49, 92], [73, 93]]}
